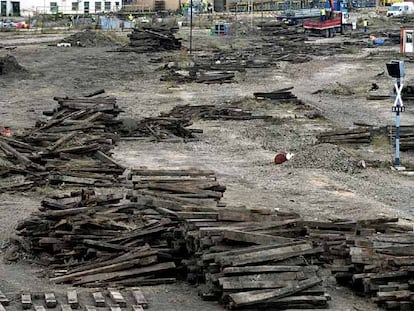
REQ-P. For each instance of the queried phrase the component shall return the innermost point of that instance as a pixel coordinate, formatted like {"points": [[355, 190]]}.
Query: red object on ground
{"points": [[280, 158], [5, 131], [321, 25]]}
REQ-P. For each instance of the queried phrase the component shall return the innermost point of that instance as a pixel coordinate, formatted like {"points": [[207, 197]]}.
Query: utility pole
{"points": [[396, 70], [191, 26]]}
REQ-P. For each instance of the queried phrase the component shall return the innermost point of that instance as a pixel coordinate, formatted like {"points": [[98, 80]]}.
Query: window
{"points": [[86, 7], [107, 5], [53, 7], [75, 6], [117, 5], [98, 6]]}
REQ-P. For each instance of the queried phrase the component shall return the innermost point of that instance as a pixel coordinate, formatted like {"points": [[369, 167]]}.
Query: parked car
{"points": [[8, 24], [400, 8]]}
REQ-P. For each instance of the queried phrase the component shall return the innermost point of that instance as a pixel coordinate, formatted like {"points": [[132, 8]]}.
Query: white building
{"points": [[9, 8], [30, 7]]}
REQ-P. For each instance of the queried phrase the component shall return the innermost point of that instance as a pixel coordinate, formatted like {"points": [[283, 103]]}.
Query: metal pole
{"points": [[191, 26], [397, 128]]}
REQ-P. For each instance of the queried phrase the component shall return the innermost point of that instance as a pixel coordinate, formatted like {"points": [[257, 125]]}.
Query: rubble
{"points": [[9, 65], [89, 38], [326, 156], [213, 112]]}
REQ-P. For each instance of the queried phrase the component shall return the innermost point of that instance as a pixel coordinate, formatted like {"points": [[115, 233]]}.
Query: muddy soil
{"points": [[321, 182]]}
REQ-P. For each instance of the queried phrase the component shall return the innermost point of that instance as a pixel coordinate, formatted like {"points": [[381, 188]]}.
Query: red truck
{"points": [[326, 28]]}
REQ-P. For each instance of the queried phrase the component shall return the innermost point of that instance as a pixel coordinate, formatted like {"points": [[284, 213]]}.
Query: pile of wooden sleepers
{"points": [[151, 39], [357, 135]]}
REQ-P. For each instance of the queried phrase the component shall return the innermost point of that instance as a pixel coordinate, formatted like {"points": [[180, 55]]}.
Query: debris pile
{"points": [[327, 156], [282, 95], [9, 64], [71, 148], [373, 257], [151, 39], [89, 38], [285, 95], [96, 240], [194, 75], [162, 128], [175, 224], [212, 112]]}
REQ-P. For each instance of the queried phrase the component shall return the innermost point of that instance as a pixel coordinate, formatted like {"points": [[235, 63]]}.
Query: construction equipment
{"points": [[326, 27]]}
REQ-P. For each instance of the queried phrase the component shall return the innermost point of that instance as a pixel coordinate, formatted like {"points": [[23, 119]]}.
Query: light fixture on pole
{"points": [[396, 70]]}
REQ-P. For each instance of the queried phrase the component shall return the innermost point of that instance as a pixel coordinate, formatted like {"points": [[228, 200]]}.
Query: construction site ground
{"points": [[320, 182]]}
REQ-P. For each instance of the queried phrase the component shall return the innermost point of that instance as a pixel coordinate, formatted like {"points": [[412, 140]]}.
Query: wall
{"points": [[149, 5], [30, 7]]}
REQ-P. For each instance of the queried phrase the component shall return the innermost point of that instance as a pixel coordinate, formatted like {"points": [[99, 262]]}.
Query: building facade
{"points": [[31, 7], [9, 8], [152, 5]]}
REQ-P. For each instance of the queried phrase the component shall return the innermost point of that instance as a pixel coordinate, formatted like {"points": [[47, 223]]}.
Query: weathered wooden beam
{"points": [[126, 273], [238, 300], [99, 299], [255, 238], [117, 297], [72, 297], [65, 307], [50, 300], [3, 299], [140, 298], [20, 157], [26, 300], [120, 266], [276, 254], [39, 308], [63, 140]]}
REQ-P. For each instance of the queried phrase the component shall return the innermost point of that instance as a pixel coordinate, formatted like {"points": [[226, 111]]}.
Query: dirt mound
{"points": [[89, 38], [9, 64], [325, 156]]}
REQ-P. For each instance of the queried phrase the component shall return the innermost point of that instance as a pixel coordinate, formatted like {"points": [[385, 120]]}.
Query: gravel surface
{"points": [[320, 182]]}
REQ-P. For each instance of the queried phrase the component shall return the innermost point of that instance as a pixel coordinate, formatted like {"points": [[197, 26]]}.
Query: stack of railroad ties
{"points": [[175, 224], [73, 146]]}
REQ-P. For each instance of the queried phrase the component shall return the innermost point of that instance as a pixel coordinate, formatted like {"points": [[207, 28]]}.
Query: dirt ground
{"points": [[321, 181]]}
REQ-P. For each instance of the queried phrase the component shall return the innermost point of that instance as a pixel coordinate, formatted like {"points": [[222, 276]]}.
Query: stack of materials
{"points": [[192, 75], [251, 259], [177, 186], [358, 135], [406, 136], [245, 258], [96, 240], [212, 112], [282, 95], [162, 128], [151, 40], [373, 257], [71, 147]]}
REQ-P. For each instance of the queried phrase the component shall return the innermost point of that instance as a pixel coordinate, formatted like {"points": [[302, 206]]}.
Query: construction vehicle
{"points": [[328, 27], [389, 2]]}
